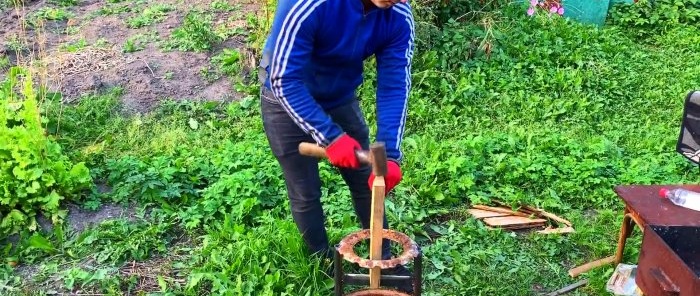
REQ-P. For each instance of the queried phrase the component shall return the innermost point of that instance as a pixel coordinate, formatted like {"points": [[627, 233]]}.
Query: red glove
{"points": [[341, 152], [392, 178]]}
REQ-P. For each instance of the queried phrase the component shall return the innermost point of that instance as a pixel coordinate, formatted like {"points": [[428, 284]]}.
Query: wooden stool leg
{"points": [[625, 231]]}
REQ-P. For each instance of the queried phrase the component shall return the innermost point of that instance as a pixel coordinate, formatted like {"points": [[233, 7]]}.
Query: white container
{"points": [[622, 283]]}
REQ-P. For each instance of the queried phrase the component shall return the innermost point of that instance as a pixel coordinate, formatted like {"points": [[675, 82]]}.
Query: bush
{"points": [[35, 175], [650, 17]]}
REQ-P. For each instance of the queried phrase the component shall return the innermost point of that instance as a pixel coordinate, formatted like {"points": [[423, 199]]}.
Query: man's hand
{"points": [[392, 178], [341, 152]]}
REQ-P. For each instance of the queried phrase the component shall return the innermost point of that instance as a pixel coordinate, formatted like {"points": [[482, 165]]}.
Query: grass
{"points": [[540, 111]]}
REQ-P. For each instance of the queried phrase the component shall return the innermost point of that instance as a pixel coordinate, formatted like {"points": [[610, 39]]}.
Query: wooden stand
{"points": [[376, 157]]}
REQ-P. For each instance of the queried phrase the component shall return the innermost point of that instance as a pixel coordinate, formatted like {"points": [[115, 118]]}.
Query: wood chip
{"points": [[555, 218], [500, 210], [513, 222], [551, 230]]}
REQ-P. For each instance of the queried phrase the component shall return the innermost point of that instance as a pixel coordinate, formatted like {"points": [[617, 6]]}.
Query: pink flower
{"points": [[553, 9], [530, 11], [561, 11], [533, 2]]}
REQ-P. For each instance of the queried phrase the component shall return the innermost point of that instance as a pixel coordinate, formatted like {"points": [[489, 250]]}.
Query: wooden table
{"points": [[644, 205]]}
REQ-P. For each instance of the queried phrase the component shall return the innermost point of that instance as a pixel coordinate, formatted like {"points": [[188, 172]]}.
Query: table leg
{"points": [[625, 232]]}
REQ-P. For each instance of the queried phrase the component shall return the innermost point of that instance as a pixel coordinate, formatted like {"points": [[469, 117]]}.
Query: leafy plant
{"points": [[265, 260], [647, 17], [64, 2], [49, 14], [4, 62], [195, 34], [117, 241], [35, 175], [150, 15], [228, 61]]}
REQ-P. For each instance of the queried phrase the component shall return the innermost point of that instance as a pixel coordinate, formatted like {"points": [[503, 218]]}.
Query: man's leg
{"points": [[300, 173], [351, 119]]}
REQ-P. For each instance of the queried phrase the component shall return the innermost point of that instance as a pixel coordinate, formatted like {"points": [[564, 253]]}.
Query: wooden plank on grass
{"points": [[514, 222], [500, 210], [480, 214], [550, 230]]}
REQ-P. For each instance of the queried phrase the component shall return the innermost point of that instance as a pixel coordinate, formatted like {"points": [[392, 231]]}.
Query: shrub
{"points": [[35, 175], [650, 17]]}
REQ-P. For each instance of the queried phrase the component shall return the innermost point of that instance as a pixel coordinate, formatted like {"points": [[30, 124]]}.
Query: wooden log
{"points": [[378, 157], [576, 271]]}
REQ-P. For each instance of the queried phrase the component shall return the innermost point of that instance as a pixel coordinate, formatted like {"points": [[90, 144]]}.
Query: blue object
{"points": [[587, 11], [317, 63]]}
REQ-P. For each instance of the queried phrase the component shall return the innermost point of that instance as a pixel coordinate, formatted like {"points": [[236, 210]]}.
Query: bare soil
{"points": [[146, 76], [98, 32]]}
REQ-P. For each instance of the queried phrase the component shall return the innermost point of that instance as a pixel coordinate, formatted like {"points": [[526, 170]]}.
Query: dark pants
{"points": [[302, 176]]}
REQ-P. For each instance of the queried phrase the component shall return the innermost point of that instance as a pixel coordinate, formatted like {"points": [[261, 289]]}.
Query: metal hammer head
{"points": [[378, 158]]}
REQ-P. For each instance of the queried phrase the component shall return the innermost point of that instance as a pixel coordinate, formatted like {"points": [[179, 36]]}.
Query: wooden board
{"points": [[514, 222], [500, 210], [480, 214], [376, 226], [503, 217], [550, 230]]}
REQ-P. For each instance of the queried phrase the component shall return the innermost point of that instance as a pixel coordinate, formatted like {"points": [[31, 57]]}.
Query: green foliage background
{"points": [[527, 110], [35, 174]]}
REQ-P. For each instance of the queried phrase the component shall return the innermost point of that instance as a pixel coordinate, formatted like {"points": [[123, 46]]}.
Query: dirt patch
{"points": [[96, 46], [79, 219], [142, 275], [145, 274], [146, 76]]}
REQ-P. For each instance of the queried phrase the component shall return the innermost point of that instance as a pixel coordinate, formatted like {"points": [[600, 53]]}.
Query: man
{"points": [[311, 68]]}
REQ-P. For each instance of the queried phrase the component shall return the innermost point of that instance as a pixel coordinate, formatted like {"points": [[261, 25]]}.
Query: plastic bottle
{"points": [[682, 197]]}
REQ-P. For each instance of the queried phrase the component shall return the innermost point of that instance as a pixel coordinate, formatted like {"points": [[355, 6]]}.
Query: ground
{"points": [[95, 45], [185, 197]]}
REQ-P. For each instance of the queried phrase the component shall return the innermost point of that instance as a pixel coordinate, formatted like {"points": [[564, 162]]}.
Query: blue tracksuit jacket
{"points": [[313, 61]]}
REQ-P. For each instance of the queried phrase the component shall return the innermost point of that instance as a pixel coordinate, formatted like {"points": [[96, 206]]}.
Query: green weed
{"points": [[36, 175], [64, 2], [195, 34], [149, 16], [4, 63], [526, 110], [646, 17]]}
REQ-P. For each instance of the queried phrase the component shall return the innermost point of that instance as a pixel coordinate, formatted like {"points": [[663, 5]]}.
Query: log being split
{"points": [[379, 167]]}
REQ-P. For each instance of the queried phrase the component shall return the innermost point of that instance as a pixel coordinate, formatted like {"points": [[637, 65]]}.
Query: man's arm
{"points": [[291, 51], [394, 83]]}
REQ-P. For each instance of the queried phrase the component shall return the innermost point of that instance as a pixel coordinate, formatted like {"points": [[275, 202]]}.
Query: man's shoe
{"points": [[405, 287]]}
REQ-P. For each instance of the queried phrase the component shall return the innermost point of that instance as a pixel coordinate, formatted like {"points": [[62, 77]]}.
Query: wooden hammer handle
{"points": [[310, 149], [314, 150]]}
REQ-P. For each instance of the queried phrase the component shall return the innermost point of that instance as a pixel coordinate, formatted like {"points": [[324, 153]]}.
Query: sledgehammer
{"points": [[310, 149]]}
